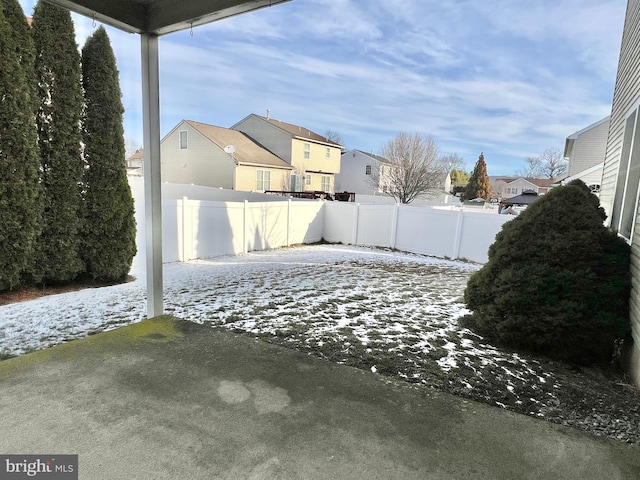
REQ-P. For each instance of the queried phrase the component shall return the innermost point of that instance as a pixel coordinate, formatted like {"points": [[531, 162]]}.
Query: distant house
{"points": [[314, 159], [507, 187], [585, 150], [135, 163], [363, 173], [621, 173], [202, 154]]}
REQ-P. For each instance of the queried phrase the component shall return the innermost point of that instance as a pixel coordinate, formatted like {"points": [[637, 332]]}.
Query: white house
{"points": [[363, 173], [621, 173], [585, 150]]}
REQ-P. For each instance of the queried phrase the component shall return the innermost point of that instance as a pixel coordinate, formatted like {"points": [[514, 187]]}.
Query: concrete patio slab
{"points": [[170, 399]]}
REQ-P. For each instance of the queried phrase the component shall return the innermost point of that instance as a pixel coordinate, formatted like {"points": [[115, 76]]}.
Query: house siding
{"points": [[267, 135], [626, 98], [291, 149], [201, 163], [589, 149], [246, 178], [353, 177]]}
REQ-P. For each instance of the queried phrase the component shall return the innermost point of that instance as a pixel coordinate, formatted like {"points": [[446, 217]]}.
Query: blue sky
{"points": [[510, 78]]}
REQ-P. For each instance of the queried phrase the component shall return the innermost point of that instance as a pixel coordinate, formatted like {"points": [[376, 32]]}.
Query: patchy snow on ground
{"points": [[392, 312]]}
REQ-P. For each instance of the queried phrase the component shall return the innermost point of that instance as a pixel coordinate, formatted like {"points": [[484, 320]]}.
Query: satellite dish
{"points": [[230, 149]]}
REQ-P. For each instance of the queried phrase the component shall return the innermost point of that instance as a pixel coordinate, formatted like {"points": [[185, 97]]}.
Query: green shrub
{"points": [[557, 281]]}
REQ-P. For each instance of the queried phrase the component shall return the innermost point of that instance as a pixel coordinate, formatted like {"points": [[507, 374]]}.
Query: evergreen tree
{"points": [[19, 184], [57, 68], [479, 185], [557, 281], [110, 228]]}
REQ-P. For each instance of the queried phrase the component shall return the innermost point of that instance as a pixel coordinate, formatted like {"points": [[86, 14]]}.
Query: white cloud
{"points": [[506, 77]]}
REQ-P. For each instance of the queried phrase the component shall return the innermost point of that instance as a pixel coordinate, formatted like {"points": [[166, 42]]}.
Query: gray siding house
{"points": [[585, 150], [621, 174]]}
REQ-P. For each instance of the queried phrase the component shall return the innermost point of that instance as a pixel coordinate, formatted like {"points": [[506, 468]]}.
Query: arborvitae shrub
{"points": [[20, 207], [557, 281], [110, 227]]}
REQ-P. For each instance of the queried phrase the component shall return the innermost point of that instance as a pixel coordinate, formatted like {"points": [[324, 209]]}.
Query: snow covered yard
{"points": [[389, 312]]}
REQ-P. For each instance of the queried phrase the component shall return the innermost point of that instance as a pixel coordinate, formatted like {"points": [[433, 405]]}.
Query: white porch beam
{"points": [[152, 183]]}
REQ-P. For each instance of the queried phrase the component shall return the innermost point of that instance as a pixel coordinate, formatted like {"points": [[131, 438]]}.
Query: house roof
{"points": [[138, 155], [160, 16], [581, 174], [296, 131], [371, 155], [525, 198], [538, 182], [248, 151]]}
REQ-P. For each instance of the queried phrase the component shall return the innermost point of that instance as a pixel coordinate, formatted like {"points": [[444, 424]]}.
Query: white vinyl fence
{"points": [[201, 229], [450, 233]]}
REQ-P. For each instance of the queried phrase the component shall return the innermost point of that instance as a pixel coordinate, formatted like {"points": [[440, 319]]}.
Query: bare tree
{"points": [[451, 162], [413, 168], [549, 164], [335, 137], [532, 169]]}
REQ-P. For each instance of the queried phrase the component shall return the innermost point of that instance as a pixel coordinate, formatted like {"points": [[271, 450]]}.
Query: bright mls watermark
{"points": [[49, 467]]}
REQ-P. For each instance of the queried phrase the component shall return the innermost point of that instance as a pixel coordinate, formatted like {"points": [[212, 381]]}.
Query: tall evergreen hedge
{"points": [[20, 210], [557, 281], [110, 229], [58, 71]]}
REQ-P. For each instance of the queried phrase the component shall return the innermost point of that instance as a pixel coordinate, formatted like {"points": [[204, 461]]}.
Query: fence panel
{"points": [[376, 225], [428, 231], [340, 222], [305, 222], [478, 233]]}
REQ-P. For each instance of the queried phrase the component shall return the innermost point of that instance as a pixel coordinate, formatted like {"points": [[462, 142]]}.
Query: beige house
{"points": [[314, 159], [621, 174], [201, 154], [585, 151]]}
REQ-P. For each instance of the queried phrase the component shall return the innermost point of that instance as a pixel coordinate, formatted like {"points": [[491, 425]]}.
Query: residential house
{"points": [[585, 150], [621, 173], [363, 173], [507, 187], [135, 163], [315, 160], [201, 154]]}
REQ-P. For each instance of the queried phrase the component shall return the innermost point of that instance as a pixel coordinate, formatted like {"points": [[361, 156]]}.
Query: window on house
{"points": [[296, 182], [183, 140], [326, 183], [263, 180], [626, 197], [367, 170], [328, 152], [308, 180], [307, 151]]}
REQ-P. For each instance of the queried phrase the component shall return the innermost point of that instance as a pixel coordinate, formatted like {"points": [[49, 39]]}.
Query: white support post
{"points": [[455, 253], [355, 224], [244, 226], [152, 184], [394, 226], [289, 222]]}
